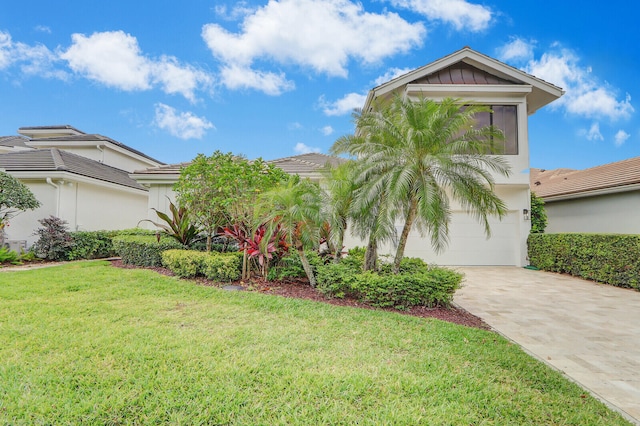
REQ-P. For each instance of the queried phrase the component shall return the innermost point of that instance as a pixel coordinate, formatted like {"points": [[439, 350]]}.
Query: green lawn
{"points": [[88, 343]]}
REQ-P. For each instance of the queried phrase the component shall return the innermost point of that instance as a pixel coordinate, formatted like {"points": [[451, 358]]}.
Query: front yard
{"points": [[87, 342]]}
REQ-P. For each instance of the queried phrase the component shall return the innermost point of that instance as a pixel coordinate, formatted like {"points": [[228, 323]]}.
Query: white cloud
{"points": [[585, 95], [390, 75], [43, 29], [342, 106], [295, 126], [32, 60], [322, 35], [240, 77], [327, 130], [114, 59], [301, 148], [459, 13], [183, 125], [621, 137], [593, 134], [516, 50]]}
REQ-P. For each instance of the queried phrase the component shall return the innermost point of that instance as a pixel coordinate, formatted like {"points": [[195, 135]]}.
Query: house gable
{"points": [[454, 76]]}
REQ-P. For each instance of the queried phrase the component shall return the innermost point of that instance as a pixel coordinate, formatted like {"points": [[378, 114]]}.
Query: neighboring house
{"points": [[602, 199], [513, 95], [83, 179], [160, 180]]}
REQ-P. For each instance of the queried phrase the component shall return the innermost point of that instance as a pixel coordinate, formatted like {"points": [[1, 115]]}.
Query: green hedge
{"points": [[91, 245], [607, 258], [418, 284], [143, 250], [215, 266]]}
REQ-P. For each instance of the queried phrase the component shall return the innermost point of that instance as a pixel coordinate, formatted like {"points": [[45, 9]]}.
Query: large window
{"points": [[503, 117]]}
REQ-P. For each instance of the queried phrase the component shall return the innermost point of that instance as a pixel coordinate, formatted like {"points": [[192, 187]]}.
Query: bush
{"points": [[337, 279], [54, 242], [290, 266], [222, 266], [9, 256], [418, 284], [91, 245], [607, 258], [143, 250], [214, 266]]}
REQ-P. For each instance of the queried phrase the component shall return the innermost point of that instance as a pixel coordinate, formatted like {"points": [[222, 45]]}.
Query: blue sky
{"points": [[279, 78]]}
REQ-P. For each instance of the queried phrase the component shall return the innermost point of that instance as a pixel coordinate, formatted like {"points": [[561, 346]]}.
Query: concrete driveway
{"points": [[589, 331]]}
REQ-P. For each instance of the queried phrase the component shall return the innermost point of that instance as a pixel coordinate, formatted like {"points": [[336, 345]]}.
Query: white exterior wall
{"points": [[468, 244], [160, 194], [612, 213], [85, 207]]}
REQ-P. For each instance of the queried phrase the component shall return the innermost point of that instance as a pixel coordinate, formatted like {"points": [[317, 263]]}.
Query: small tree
{"points": [[55, 241], [15, 197], [296, 209], [538, 215]]}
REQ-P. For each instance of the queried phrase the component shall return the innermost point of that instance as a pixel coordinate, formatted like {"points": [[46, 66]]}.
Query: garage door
{"points": [[468, 244]]}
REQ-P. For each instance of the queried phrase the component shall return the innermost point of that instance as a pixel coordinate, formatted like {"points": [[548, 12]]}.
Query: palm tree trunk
{"points": [[371, 255], [305, 264], [340, 242], [408, 223]]}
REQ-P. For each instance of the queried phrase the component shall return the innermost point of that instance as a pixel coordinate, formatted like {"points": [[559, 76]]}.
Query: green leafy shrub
{"points": [[290, 266], [91, 245], [337, 279], [418, 284], [434, 287], [55, 241], [143, 250], [214, 266], [222, 266], [355, 258], [9, 256], [607, 258]]}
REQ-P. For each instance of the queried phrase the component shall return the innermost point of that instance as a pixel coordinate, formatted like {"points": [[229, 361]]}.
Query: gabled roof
{"points": [[306, 164], [468, 67], [55, 160], [89, 138], [567, 183]]}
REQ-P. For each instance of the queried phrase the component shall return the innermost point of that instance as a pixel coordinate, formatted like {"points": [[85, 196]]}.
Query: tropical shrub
{"points": [[607, 258], [143, 250], [91, 245], [417, 284], [538, 215], [55, 241], [290, 266], [9, 256], [214, 266], [177, 226], [15, 197], [404, 290]]}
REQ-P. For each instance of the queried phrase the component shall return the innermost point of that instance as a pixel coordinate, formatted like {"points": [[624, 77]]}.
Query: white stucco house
{"points": [[466, 74], [602, 199], [81, 178], [513, 95]]}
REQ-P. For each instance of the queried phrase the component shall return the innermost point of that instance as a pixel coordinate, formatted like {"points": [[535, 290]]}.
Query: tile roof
{"points": [[14, 141], [568, 182], [53, 159], [92, 138], [56, 127], [306, 163], [167, 169], [298, 164]]}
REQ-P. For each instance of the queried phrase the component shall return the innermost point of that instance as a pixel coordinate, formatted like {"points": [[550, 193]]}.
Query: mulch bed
{"points": [[302, 290]]}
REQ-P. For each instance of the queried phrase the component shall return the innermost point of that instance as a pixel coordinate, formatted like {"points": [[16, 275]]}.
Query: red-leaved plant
{"points": [[257, 247]]}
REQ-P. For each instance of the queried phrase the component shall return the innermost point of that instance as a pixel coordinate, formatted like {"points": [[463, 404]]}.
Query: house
{"points": [[602, 199], [160, 180], [81, 178], [513, 95]]}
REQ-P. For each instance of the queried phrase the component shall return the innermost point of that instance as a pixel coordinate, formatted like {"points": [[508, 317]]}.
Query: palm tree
{"points": [[419, 154], [296, 207], [340, 187]]}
